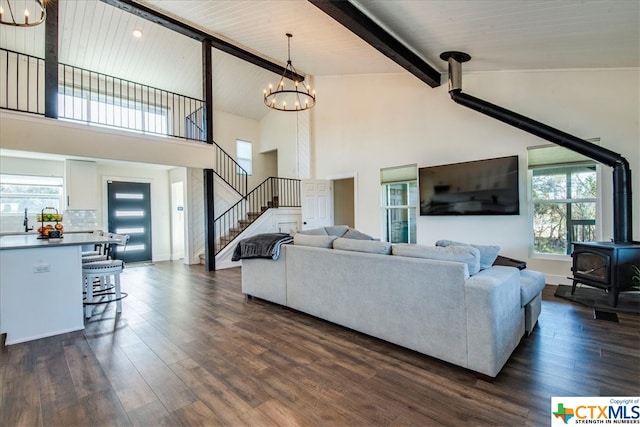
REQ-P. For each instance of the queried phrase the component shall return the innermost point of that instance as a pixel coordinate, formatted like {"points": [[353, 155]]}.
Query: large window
{"points": [[20, 192], [114, 112], [564, 190], [399, 203], [244, 156], [31, 193]]}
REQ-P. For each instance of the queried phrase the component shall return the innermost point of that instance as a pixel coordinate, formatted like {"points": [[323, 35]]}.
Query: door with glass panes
{"points": [[129, 212]]}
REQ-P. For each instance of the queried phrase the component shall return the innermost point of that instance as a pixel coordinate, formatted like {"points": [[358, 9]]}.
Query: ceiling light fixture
{"points": [[37, 6], [137, 33], [289, 97]]}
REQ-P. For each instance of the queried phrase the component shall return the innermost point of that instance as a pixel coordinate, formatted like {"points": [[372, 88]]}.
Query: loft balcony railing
{"points": [[273, 192], [21, 82], [99, 99]]}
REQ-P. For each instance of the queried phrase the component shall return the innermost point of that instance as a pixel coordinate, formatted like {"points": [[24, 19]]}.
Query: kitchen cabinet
{"points": [[80, 183]]}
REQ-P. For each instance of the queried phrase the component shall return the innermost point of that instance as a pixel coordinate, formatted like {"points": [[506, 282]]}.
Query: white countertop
{"points": [[25, 241]]}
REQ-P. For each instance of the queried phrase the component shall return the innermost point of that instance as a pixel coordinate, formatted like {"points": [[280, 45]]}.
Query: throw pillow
{"points": [[336, 230], [313, 240], [358, 245], [465, 254], [488, 253], [352, 233]]}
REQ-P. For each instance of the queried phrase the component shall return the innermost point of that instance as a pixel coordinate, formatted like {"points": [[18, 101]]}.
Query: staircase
{"points": [[273, 192], [243, 224]]}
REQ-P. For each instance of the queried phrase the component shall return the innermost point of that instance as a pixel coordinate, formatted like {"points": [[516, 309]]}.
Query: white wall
{"points": [[179, 219], [229, 127], [290, 134], [365, 123]]}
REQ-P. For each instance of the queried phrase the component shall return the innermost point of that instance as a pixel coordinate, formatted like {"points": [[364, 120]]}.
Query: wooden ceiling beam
{"points": [[364, 27], [178, 26]]}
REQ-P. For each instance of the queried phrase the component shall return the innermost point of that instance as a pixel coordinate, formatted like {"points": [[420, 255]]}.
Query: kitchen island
{"points": [[41, 285]]}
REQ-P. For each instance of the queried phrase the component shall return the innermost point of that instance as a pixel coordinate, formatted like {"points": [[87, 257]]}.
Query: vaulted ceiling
{"points": [[498, 34]]}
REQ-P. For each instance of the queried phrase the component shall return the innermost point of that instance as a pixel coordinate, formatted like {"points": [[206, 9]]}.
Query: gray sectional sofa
{"points": [[418, 297]]}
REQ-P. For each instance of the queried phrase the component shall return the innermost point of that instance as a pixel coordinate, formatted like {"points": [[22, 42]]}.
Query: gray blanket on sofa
{"points": [[266, 245]]}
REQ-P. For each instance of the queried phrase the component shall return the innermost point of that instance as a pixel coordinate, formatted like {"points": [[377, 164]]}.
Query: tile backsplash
{"points": [[76, 220], [80, 220]]}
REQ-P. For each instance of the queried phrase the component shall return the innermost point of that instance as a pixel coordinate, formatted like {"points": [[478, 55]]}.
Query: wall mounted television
{"points": [[482, 187]]}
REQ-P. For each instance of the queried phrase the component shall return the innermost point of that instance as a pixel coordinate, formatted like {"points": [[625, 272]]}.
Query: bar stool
{"points": [[101, 275], [102, 279]]}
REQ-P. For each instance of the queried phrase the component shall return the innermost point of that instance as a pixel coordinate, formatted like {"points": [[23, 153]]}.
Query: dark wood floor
{"points": [[188, 349]]}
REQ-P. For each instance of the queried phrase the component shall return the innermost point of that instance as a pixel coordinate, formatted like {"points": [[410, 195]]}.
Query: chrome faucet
{"points": [[26, 222]]}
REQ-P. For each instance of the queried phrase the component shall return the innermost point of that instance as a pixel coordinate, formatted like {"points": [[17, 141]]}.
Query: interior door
{"points": [[317, 203], [129, 212]]}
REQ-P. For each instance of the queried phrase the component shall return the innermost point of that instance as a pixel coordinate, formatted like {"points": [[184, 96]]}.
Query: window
{"points": [[243, 155], [564, 194], [110, 111], [399, 203], [20, 192]]}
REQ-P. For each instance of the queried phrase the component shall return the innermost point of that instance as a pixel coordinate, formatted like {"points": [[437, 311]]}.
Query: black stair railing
{"points": [[273, 192], [230, 171]]}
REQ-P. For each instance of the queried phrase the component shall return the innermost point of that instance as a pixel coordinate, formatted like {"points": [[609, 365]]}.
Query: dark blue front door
{"points": [[129, 212]]}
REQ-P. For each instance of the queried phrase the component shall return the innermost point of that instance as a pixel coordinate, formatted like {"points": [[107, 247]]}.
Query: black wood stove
{"points": [[605, 265]]}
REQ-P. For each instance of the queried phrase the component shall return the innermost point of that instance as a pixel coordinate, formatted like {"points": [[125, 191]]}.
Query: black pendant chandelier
{"points": [[35, 6], [289, 96]]}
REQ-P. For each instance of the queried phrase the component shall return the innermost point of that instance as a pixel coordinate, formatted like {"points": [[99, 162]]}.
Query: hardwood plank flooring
{"points": [[189, 349]]}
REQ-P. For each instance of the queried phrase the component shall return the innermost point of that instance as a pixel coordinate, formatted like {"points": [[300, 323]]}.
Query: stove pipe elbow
{"points": [[455, 60]]}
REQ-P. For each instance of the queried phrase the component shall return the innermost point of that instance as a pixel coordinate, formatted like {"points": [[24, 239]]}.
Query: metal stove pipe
{"points": [[622, 210]]}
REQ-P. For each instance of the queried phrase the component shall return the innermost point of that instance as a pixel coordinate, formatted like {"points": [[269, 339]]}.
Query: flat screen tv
{"points": [[482, 187]]}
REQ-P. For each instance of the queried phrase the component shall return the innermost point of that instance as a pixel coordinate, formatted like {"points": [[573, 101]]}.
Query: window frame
{"points": [[59, 183], [242, 160], [91, 102], [386, 208], [567, 166]]}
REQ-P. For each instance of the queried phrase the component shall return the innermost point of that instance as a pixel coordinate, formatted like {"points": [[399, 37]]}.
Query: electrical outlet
{"points": [[41, 268]]}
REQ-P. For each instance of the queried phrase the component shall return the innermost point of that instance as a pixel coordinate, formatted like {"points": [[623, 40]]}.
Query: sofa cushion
{"points": [[488, 253], [465, 254], [317, 241], [352, 233], [531, 284], [358, 245], [320, 231]]}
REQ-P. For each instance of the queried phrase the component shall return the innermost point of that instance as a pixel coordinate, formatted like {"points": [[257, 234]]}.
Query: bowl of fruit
{"points": [[50, 225]]}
